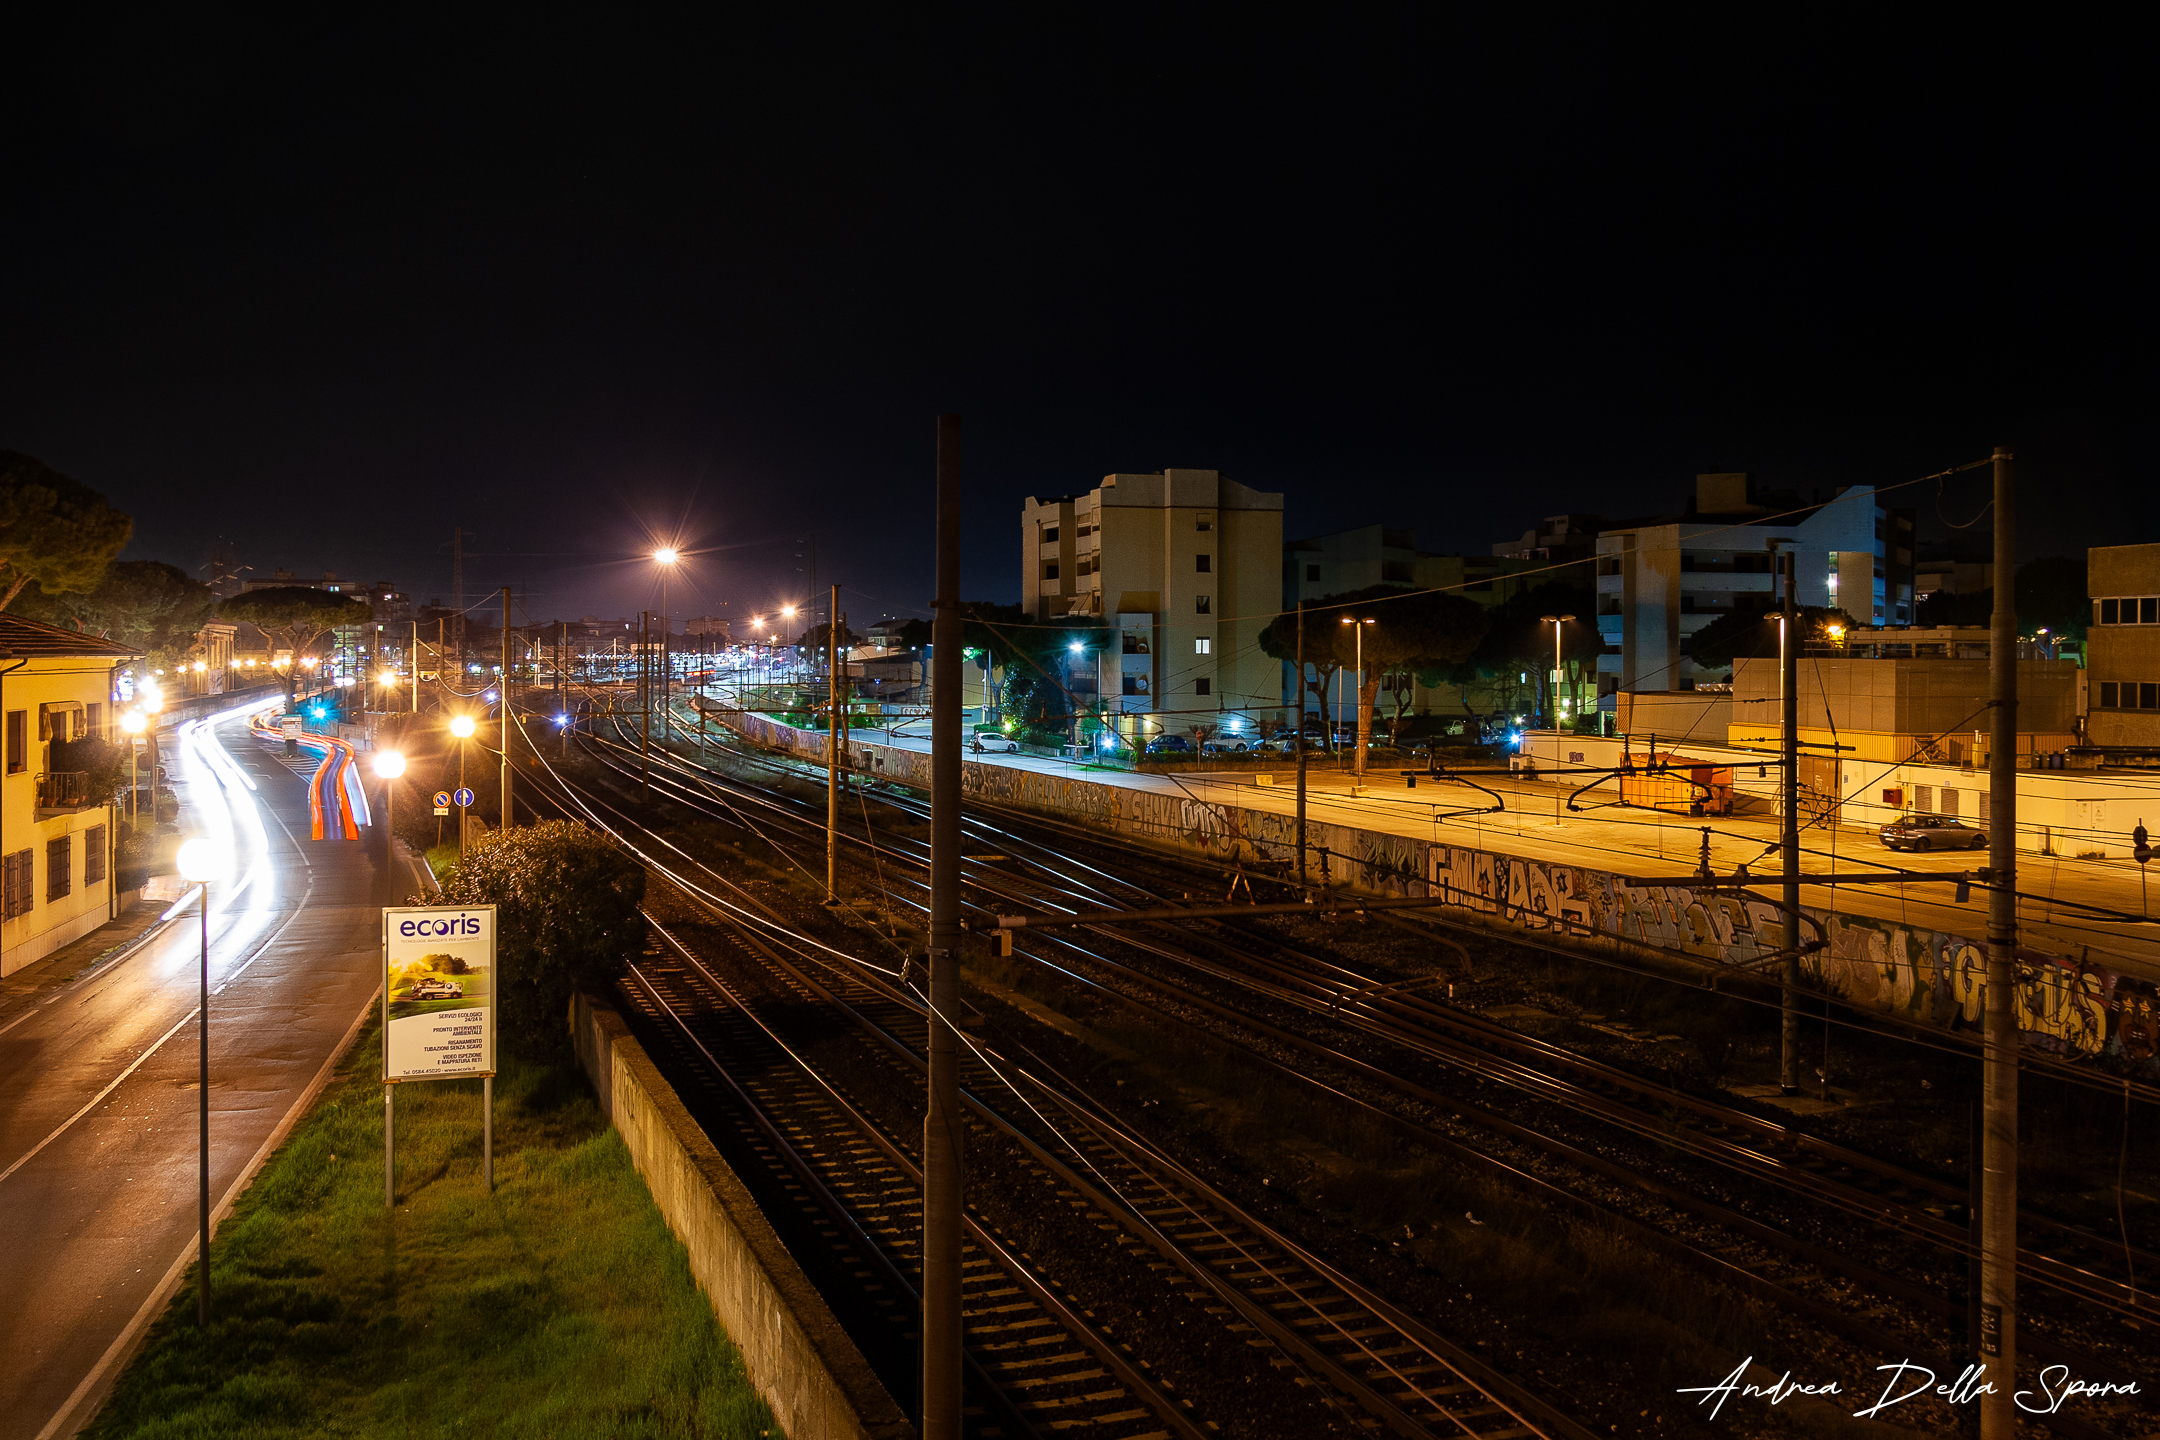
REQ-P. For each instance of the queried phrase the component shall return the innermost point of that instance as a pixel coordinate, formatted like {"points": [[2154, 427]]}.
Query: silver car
{"points": [[992, 740], [1932, 832]]}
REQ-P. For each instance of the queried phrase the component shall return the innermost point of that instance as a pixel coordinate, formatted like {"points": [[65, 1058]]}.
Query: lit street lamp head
{"points": [[462, 727], [202, 860], [134, 722], [665, 556], [389, 764]]}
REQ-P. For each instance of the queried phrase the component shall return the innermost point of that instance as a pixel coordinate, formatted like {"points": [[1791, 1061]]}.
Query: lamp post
{"points": [[389, 764], [462, 727], [1364, 719], [665, 558], [203, 861], [134, 724], [1556, 621]]}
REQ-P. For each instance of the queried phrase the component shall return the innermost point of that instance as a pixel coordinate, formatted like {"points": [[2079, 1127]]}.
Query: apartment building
{"points": [[1377, 555], [1166, 581], [2122, 651], [1660, 580], [57, 832]]}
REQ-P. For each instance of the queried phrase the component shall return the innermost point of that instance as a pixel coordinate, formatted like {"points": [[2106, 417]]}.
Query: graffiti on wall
{"points": [[2070, 1006]]}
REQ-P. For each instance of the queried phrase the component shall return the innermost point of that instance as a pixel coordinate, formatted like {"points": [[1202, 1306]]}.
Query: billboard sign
{"points": [[438, 992]]}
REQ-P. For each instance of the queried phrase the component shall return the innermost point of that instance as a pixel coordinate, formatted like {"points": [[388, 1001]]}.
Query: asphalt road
{"points": [[98, 1098]]}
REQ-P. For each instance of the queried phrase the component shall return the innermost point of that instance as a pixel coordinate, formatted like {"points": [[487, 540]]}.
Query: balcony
{"points": [[63, 792]]}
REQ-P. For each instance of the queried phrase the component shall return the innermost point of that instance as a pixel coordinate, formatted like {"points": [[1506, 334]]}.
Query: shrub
{"points": [[569, 920]]}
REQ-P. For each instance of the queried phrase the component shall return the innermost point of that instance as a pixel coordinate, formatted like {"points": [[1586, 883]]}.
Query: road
{"points": [[1645, 843], [98, 1098]]}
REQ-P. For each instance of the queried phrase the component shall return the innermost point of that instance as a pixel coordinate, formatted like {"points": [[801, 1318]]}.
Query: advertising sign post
{"points": [[439, 986]]}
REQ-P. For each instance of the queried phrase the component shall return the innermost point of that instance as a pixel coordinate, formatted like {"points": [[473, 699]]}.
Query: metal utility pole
{"points": [[1299, 732], [1999, 1083], [509, 721], [415, 657], [942, 1128], [1789, 748], [832, 747]]}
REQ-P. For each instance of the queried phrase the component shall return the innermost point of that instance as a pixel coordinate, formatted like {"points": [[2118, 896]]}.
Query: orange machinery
{"points": [[1679, 785]]}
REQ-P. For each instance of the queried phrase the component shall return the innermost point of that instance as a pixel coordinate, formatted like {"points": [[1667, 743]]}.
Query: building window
{"points": [[94, 720], [2108, 611], [93, 855], [2149, 610], [1202, 605], [1204, 524], [18, 741], [1050, 569], [2107, 695], [1049, 534], [2149, 697], [59, 868], [1202, 563], [1203, 687], [1202, 646], [1312, 574], [1136, 684], [1924, 799], [1949, 801], [15, 899]]}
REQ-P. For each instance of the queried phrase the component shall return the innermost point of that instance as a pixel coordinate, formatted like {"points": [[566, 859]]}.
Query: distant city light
{"points": [[664, 556]]}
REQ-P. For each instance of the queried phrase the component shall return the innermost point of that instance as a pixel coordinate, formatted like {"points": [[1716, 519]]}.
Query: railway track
{"points": [[1265, 967], [1365, 1362]]}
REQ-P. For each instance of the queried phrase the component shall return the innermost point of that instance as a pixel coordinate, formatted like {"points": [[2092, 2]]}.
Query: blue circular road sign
{"points": [[463, 796], [442, 799]]}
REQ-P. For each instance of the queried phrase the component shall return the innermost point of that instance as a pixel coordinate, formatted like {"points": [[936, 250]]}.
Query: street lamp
{"points": [[665, 558], [134, 724], [389, 764], [462, 727], [1357, 628], [203, 861], [1556, 621]]}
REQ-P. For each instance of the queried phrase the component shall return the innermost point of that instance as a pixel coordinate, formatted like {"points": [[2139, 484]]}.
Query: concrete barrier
{"points": [[798, 1357]]}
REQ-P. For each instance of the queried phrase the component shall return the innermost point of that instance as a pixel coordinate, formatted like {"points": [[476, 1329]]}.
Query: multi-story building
{"points": [[57, 831], [1559, 539], [1661, 580], [2122, 651], [1375, 555], [1167, 580]]}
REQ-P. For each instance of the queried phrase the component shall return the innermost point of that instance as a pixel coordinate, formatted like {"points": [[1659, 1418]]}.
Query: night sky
{"points": [[574, 284]]}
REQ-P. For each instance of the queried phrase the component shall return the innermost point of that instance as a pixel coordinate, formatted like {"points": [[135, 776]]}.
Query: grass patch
{"points": [[558, 1306]]}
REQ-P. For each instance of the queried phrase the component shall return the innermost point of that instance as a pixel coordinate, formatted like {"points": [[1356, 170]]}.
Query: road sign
{"points": [[438, 992], [442, 809], [442, 799], [463, 796]]}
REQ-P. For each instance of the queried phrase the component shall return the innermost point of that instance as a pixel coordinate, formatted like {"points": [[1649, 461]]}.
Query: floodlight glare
{"points": [[664, 555], [134, 722], [389, 764], [462, 727]]}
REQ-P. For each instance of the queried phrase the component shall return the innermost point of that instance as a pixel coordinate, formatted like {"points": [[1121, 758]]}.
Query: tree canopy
{"points": [[155, 607], [569, 919], [1003, 631], [1753, 634], [814, 638], [53, 530], [295, 616], [2051, 595], [1412, 630], [1519, 638]]}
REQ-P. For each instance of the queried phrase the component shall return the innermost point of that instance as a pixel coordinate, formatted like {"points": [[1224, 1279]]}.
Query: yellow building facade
{"points": [[57, 837]]}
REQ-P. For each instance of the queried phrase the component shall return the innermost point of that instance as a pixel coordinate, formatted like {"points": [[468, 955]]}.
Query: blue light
{"points": [[1515, 738], [562, 719]]}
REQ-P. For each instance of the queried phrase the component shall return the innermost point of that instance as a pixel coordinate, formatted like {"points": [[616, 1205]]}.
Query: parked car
{"points": [[1225, 745], [435, 990], [1287, 745], [1932, 832], [1170, 745], [993, 740]]}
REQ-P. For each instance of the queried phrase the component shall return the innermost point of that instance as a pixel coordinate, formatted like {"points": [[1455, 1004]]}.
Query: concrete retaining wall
{"points": [[2068, 1004], [800, 1360]]}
